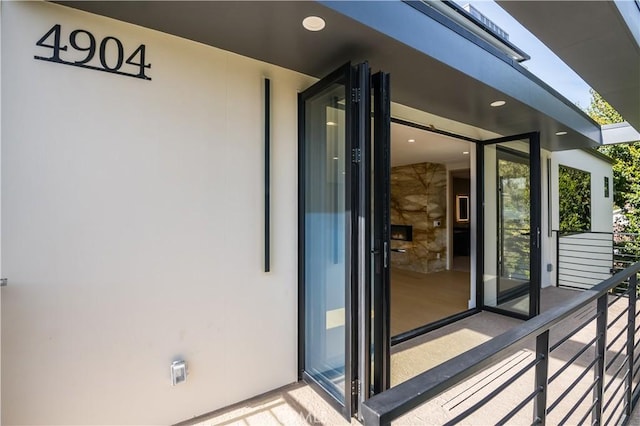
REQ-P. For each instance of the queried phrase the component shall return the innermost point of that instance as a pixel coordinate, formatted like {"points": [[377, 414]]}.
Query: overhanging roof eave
{"points": [[465, 54]]}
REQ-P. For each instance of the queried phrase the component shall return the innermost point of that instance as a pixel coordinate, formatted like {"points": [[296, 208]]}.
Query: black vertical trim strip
{"points": [[480, 172], [536, 229], [549, 202], [267, 175]]}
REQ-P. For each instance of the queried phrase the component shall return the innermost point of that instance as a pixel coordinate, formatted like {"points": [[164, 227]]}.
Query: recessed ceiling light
{"points": [[313, 23], [331, 123], [497, 103], [465, 152], [411, 140], [561, 133]]}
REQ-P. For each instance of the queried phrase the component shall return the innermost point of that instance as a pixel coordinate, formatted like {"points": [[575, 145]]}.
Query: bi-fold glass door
{"points": [[343, 236], [511, 225], [344, 167]]}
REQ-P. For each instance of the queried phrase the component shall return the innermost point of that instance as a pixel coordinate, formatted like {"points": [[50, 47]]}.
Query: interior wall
{"points": [[132, 220], [419, 199]]}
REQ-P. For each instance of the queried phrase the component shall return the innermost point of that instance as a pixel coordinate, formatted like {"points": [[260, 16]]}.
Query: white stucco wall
{"points": [[132, 215], [601, 206], [547, 278]]}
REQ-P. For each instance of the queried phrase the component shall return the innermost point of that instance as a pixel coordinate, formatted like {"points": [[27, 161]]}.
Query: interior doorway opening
{"points": [[430, 209]]}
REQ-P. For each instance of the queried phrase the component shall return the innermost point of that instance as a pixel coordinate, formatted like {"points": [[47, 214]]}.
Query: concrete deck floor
{"points": [[298, 404]]}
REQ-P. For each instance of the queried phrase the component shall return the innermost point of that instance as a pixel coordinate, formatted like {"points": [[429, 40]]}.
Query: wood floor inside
{"points": [[418, 299]]}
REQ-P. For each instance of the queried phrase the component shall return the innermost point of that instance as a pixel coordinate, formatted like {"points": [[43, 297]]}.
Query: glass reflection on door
{"points": [[507, 278], [326, 261]]}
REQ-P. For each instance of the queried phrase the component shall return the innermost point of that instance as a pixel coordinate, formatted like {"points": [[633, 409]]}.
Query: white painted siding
{"points": [[132, 228]]}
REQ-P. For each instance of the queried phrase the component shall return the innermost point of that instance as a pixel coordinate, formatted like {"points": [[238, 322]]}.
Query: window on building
{"points": [[574, 190]]}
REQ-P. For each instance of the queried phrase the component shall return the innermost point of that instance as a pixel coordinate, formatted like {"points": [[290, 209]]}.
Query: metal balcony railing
{"points": [[583, 368]]}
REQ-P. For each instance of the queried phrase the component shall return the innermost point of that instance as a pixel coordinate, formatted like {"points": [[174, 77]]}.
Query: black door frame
{"points": [[408, 335], [342, 75], [380, 303], [536, 223]]}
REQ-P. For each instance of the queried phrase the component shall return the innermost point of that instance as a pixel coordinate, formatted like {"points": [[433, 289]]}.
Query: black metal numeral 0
{"points": [[91, 48], [103, 56]]}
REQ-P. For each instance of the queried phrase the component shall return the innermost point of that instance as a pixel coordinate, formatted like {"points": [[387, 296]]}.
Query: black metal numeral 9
{"points": [[91, 49]]}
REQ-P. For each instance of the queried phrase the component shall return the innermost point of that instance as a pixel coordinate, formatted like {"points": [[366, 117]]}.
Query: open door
{"points": [[330, 140], [511, 231], [343, 233]]}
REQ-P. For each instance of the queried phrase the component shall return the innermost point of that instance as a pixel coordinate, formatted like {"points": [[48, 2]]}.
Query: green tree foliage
{"points": [[626, 170], [601, 111], [515, 221], [626, 184], [575, 199]]}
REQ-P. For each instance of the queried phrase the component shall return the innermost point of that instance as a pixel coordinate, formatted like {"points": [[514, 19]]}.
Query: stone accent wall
{"points": [[418, 198]]}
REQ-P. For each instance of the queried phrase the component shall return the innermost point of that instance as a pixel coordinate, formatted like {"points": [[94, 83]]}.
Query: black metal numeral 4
{"points": [[140, 51], [55, 31]]}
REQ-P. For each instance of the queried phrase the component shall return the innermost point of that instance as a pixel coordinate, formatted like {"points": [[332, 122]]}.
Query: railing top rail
{"points": [[399, 400]]}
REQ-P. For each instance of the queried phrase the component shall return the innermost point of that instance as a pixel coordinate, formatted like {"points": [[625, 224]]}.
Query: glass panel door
{"points": [[343, 236], [512, 225], [325, 232]]}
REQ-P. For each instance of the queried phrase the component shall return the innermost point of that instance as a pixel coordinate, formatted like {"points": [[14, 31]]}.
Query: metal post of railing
{"points": [[542, 378], [601, 349], [631, 334]]}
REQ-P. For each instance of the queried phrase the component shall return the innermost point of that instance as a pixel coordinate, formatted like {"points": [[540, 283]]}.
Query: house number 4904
{"points": [[84, 45]]}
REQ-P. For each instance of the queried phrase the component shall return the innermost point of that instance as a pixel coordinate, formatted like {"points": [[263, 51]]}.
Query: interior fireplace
{"points": [[402, 232]]}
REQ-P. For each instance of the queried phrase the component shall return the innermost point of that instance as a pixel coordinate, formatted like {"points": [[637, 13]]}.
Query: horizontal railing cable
{"points": [[492, 394], [570, 387], [578, 403], [573, 358], [520, 406], [574, 331]]}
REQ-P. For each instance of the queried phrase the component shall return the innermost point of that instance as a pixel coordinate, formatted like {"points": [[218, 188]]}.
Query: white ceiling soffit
{"points": [[619, 133], [410, 145], [434, 67], [599, 40]]}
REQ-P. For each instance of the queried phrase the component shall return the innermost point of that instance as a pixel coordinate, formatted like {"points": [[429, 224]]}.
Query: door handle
{"points": [[385, 254]]}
